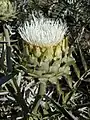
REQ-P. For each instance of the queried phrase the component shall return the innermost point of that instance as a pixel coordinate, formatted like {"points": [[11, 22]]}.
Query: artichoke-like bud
{"points": [[47, 49], [7, 11]]}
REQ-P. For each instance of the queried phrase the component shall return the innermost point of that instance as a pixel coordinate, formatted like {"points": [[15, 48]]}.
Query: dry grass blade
{"points": [[81, 53], [62, 110], [8, 49]]}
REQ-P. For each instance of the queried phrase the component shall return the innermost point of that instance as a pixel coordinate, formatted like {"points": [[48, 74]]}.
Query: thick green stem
{"points": [[42, 88], [42, 91]]}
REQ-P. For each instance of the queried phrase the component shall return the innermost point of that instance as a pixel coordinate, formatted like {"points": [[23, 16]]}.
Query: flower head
{"points": [[43, 31], [46, 49]]}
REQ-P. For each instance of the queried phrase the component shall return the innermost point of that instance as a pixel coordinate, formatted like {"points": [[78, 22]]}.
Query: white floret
{"points": [[43, 31]]}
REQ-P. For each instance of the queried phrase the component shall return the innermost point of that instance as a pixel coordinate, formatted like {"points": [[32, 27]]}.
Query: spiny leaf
{"points": [[68, 96], [77, 71], [83, 59], [68, 80], [62, 110]]}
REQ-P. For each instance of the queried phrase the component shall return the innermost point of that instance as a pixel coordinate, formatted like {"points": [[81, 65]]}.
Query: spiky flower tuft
{"points": [[43, 31]]}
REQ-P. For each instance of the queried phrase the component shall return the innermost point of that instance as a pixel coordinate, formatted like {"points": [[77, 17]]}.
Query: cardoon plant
{"points": [[46, 52], [7, 11]]}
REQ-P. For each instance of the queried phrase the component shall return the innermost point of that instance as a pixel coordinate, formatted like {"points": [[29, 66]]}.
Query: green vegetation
{"points": [[45, 83]]}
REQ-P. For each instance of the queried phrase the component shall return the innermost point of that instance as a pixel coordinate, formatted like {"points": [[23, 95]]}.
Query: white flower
{"points": [[43, 31]]}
